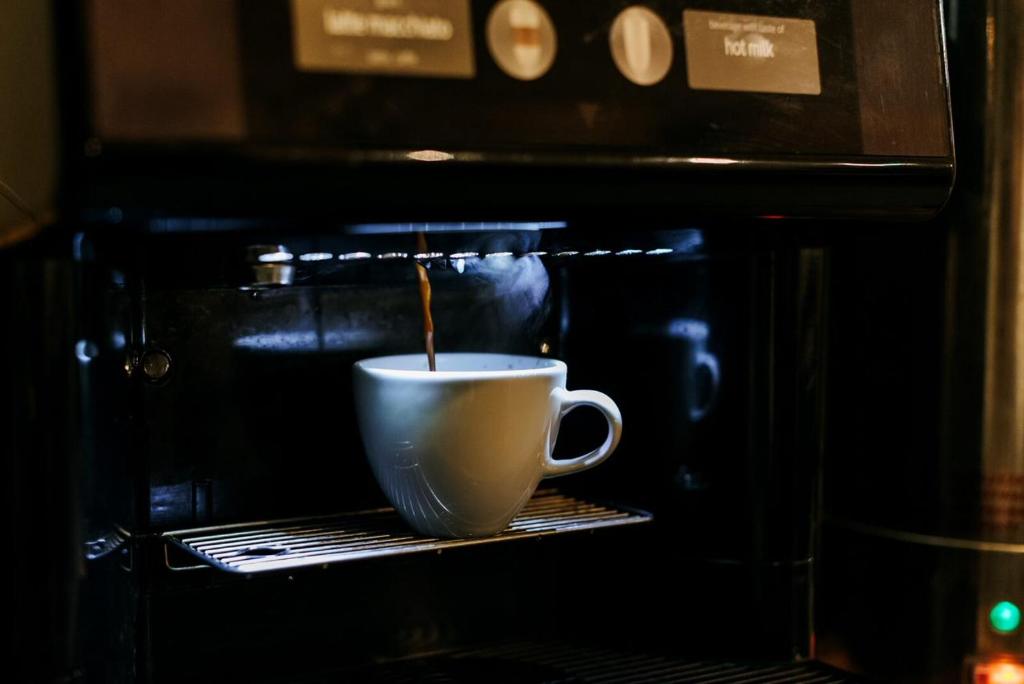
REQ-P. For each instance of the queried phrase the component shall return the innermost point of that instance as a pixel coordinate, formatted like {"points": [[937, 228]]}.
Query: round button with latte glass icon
{"points": [[521, 39], [641, 45]]}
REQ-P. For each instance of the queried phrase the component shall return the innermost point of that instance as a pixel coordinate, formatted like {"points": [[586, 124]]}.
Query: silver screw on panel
{"points": [[156, 364]]}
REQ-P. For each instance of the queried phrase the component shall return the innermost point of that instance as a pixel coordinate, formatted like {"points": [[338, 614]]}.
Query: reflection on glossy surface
{"points": [[430, 155], [283, 341], [274, 257], [170, 500], [462, 227], [86, 351], [701, 376], [316, 256]]}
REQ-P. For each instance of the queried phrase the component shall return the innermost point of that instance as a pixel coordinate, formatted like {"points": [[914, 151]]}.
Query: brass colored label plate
{"points": [[390, 37], [750, 53]]}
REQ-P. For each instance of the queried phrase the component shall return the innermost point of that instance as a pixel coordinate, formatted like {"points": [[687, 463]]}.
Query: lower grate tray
{"points": [[559, 663], [287, 544]]}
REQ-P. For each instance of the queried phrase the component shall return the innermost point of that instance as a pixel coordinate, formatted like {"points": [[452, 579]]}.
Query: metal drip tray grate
{"points": [[286, 544], [560, 663]]}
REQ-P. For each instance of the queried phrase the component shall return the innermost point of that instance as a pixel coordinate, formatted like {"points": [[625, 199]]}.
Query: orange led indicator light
{"points": [[999, 673]]}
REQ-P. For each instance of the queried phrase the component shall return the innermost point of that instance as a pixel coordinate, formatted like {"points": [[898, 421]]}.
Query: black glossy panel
{"points": [[330, 144], [581, 105], [582, 102]]}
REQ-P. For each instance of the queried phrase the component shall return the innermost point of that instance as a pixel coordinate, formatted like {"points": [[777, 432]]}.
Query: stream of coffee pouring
{"points": [[428, 319]]}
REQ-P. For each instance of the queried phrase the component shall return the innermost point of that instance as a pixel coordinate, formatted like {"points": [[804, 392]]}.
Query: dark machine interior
{"points": [[238, 396]]}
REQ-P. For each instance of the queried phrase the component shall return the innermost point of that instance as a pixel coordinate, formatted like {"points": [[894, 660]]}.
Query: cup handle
{"points": [[565, 401], [710, 363]]}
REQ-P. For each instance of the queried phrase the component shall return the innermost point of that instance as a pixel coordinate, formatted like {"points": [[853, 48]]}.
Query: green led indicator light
{"points": [[1005, 617]]}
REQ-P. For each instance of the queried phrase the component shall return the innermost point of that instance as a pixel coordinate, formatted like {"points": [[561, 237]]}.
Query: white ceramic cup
{"points": [[460, 451]]}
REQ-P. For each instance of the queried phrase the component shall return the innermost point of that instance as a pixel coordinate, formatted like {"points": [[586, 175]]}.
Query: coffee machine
{"points": [[647, 192]]}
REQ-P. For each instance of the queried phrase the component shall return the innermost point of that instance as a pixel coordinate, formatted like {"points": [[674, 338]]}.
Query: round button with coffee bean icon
{"points": [[522, 39]]}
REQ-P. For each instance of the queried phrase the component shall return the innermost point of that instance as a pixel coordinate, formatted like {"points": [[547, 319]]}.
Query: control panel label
{"points": [[389, 37], [749, 53]]}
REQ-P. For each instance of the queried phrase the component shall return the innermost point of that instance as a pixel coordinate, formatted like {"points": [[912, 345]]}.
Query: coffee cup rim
{"points": [[378, 366]]}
